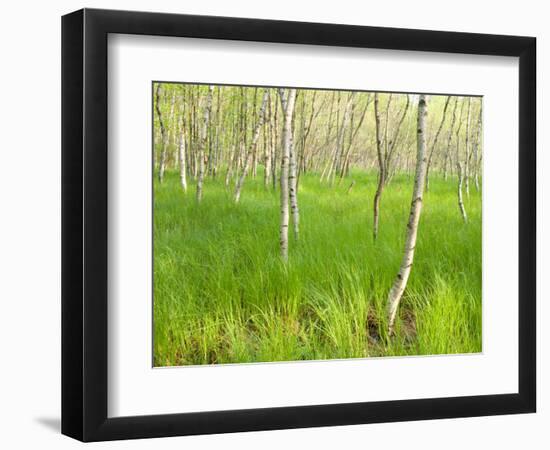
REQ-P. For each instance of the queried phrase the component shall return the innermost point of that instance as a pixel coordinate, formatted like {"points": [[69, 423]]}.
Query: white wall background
{"points": [[30, 222]]}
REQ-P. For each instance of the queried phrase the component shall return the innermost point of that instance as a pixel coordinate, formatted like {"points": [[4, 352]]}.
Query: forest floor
{"points": [[223, 295]]}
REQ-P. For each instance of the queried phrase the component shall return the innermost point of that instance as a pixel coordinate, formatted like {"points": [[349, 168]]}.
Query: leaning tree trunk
{"points": [[162, 158], [202, 144], [459, 169], [434, 144], [381, 169], [287, 102], [182, 155], [400, 282], [252, 148]]}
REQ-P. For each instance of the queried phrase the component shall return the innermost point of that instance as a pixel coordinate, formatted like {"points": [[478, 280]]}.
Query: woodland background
{"points": [[341, 168]]}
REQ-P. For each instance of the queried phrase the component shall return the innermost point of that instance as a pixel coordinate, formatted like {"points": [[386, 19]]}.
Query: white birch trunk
{"points": [[268, 138], [449, 139], [459, 168], [162, 157], [467, 159], [293, 188], [434, 144], [476, 150], [287, 103], [381, 169], [252, 148], [182, 156], [202, 145], [335, 167], [400, 282], [459, 190]]}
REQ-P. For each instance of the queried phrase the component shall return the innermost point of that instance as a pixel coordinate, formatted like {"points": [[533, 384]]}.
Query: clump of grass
{"points": [[223, 295]]}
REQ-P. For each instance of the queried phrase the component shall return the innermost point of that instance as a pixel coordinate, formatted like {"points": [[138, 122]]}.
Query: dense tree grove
{"points": [[237, 129], [236, 133]]}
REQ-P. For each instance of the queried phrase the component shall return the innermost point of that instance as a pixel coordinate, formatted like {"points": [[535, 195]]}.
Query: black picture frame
{"points": [[84, 224]]}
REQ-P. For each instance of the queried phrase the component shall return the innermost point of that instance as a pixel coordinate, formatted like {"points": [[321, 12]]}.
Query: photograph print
{"points": [[313, 224]]}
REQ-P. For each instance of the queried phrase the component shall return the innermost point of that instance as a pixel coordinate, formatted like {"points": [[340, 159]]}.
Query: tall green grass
{"points": [[223, 295]]}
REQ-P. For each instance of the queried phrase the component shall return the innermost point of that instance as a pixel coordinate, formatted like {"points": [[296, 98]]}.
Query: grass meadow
{"points": [[223, 295]]}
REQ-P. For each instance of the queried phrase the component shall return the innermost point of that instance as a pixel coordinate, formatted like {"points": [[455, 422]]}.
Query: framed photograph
{"points": [[273, 224]]}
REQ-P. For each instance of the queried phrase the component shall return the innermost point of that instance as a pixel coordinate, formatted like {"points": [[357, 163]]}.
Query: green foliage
{"points": [[222, 294]]}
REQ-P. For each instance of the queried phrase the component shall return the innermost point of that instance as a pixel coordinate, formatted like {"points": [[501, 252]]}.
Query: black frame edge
{"points": [[84, 224], [527, 212], [72, 252]]}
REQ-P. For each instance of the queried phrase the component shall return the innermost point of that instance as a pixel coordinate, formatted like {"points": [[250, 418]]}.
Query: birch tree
{"points": [[339, 146], [384, 150], [269, 142], [381, 167], [293, 187], [163, 137], [467, 158], [477, 144], [181, 154], [202, 144], [434, 143], [459, 169], [400, 282], [287, 102], [449, 141], [252, 148]]}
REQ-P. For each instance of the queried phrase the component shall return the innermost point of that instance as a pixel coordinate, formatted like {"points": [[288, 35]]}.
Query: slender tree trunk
{"points": [[353, 133], [252, 149], [268, 140], [381, 169], [287, 102], [329, 131], [467, 159], [293, 188], [459, 168], [459, 190], [202, 145], [449, 139], [476, 150], [392, 144], [339, 147], [162, 157], [234, 149], [182, 155], [400, 282], [434, 143], [274, 141]]}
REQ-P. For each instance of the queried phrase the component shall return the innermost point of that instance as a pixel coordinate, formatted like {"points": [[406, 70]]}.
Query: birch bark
{"points": [[252, 149], [162, 156], [381, 167], [434, 143], [293, 187], [476, 150], [459, 169], [467, 158], [449, 139], [400, 282], [287, 102], [182, 155], [202, 145]]}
